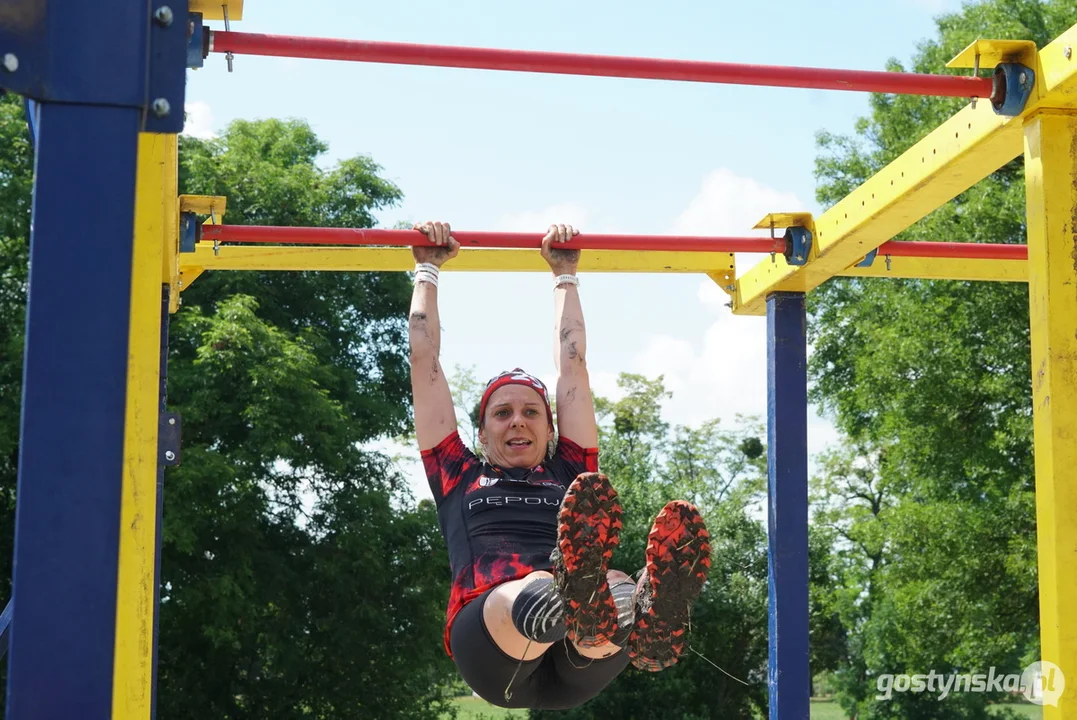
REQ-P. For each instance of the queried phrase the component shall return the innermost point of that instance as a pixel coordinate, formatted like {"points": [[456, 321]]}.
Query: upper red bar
{"points": [[600, 65], [588, 241]]}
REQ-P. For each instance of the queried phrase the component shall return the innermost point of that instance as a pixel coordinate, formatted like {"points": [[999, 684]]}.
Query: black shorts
{"points": [[559, 680]]}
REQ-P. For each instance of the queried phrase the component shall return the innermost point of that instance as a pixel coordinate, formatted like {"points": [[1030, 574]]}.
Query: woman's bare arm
{"points": [[435, 416]]}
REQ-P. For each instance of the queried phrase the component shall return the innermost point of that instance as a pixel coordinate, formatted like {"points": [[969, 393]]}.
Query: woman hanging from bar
{"points": [[536, 618]]}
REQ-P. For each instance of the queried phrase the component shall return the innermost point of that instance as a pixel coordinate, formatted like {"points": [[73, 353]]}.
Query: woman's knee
{"points": [[497, 616]]}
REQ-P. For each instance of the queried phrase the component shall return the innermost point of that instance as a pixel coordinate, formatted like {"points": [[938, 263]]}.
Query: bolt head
{"points": [[1022, 78], [171, 421], [1068, 52], [11, 62], [161, 107], [169, 455], [164, 15]]}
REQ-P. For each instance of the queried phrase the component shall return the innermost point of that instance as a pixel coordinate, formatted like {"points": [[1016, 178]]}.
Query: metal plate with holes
{"points": [[168, 439]]}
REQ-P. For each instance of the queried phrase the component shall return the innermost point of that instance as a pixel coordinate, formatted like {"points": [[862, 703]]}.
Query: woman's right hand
{"points": [[440, 235]]}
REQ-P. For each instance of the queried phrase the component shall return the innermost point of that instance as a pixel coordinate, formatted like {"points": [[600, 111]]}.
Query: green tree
{"points": [[16, 181], [299, 578], [931, 381]]}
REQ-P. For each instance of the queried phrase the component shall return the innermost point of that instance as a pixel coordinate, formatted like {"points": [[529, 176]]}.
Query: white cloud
{"points": [[199, 122], [728, 204], [721, 372], [731, 205]]}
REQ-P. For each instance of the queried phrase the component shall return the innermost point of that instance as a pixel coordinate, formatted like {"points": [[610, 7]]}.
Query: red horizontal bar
{"points": [[966, 251], [599, 65], [590, 241]]}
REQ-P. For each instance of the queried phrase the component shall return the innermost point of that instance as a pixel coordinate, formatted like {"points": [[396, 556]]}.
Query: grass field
{"points": [[472, 708]]}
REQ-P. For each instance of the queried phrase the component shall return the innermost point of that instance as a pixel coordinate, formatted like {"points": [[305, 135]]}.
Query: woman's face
{"points": [[515, 431]]}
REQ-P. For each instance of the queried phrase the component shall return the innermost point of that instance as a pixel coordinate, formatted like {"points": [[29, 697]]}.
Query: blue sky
{"points": [[513, 151]]}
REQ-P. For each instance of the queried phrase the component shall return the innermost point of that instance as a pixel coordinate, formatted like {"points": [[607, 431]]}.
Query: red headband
{"points": [[514, 377]]}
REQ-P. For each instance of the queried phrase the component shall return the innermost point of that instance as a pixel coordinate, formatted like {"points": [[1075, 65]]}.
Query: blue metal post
{"points": [[787, 438], [74, 393], [99, 73]]}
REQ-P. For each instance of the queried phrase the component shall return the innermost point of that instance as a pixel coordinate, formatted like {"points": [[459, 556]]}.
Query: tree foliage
{"points": [[299, 578], [932, 504]]}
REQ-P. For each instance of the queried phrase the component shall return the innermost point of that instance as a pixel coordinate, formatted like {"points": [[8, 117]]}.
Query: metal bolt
{"points": [[163, 15], [1022, 78], [169, 455], [171, 421], [1068, 52], [11, 62], [161, 108]]}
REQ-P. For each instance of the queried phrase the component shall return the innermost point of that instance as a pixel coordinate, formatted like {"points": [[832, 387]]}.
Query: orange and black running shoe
{"points": [[588, 529], [678, 559]]}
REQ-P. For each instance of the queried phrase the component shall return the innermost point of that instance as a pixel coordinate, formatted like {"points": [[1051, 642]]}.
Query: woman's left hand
{"points": [[562, 261]]}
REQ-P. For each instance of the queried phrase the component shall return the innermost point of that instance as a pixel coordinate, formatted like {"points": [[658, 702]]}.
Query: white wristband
{"points": [[427, 277], [430, 267], [565, 280]]}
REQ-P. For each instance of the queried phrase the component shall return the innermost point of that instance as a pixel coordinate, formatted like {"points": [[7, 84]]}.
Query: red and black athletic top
{"points": [[499, 524]]}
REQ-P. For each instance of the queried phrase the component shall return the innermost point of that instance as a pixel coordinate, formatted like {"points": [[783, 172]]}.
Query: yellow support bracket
{"points": [[962, 151], [213, 206], [214, 9], [774, 221], [726, 277], [989, 53]]}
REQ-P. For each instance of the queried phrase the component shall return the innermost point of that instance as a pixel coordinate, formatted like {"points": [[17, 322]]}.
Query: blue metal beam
{"points": [[74, 392], [787, 454]]}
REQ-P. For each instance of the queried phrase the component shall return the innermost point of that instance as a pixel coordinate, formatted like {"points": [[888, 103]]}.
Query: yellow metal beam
{"points": [[232, 257], [168, 157], [943, 269], [1051, 190], [137, 579], [962, 151]]}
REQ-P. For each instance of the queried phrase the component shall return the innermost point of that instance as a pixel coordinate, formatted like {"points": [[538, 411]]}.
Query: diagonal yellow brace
{"points": [[962, 151], [1051, 190]]}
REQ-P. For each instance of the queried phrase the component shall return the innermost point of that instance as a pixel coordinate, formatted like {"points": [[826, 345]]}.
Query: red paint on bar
{"points": [[600, 65], [588, 241], [966, 251]]}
